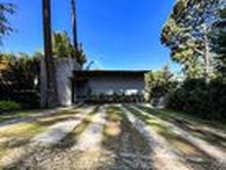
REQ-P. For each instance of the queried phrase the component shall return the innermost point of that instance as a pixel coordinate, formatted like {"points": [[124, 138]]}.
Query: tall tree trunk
{"points": [[74, 25], [51, 89]]}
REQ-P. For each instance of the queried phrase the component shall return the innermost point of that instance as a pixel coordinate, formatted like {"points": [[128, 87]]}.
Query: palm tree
{"points": [[51, 90]]}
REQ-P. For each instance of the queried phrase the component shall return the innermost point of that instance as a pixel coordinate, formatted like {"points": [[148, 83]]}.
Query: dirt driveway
{"points": [[118, 137]]}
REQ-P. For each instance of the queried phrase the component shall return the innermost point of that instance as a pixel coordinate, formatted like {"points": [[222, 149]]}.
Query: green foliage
{"points": [[62, 47], [218, 42], [185, 33], [5, 10], [159, 83], [201, 99], [80, 56], [22, 69], [193, 30], [18, 79], [9, 105]]}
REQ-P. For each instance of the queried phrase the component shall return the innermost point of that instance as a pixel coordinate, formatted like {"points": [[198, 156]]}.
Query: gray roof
{"points": [[94, 73]]}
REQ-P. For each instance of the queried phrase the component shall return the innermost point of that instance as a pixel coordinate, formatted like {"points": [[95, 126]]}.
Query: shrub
{"points": [[8, 106], [206, 100], [159, 83]]}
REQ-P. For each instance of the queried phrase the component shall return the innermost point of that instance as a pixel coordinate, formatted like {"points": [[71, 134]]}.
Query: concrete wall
{"points": [[64, 70]]}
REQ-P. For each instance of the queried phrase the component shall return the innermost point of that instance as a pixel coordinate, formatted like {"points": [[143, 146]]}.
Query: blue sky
{"points": [[116, 34]]}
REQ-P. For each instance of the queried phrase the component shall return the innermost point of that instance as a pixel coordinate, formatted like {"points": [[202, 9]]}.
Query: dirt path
{"points": [[54, 134], [164, 158], [59, 130], [197, 152], [126, 147], [90, 139], [209, 149], [104, 140], [110, 137], [89, 143]]}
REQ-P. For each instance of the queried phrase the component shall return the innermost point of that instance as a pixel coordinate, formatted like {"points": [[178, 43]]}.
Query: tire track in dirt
{"points": [[89, 142], [212, 151], [163, 156]]}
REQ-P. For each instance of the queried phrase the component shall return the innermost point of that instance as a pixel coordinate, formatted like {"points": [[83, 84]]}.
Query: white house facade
{"points": [[108, 83]]}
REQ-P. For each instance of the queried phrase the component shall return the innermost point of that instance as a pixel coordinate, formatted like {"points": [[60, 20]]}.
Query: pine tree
{"points": [[186, 34]]}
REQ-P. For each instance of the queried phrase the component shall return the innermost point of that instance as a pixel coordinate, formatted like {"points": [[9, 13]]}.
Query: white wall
{"points": [[116, 84], [64, 70]]}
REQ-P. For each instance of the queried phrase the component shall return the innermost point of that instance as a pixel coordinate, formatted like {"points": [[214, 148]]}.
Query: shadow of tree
{"points": [[191, 127], [125, 142], [186, 150], [29, 160]]}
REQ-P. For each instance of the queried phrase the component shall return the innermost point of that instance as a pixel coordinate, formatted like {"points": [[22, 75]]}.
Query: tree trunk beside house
{"points": [[49, 83]]}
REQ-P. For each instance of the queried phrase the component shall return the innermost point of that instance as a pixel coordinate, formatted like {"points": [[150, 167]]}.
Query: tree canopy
{"points": [[62, 47], [159, 83], [186, 34]]}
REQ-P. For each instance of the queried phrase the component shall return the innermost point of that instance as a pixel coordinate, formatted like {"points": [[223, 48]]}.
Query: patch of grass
{"points": [[31, 128], [168, 115], [17, 135], [46, 121], [3, 151], [21, 130], [113, 118], [9, 105], [29, 113], [78, 130], [189, 124], [10, 116], [157, 126]]}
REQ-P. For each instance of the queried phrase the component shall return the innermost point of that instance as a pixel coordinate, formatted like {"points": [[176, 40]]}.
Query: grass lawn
{"points": [[168, 115], [14, 115], [27, 113]]}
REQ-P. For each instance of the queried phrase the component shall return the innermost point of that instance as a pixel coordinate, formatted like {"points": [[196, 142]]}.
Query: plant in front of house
{"points": [[9, 106]]}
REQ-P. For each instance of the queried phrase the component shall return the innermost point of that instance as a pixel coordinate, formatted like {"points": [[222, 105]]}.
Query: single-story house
{"points": [[75, 85], [86, 84]]}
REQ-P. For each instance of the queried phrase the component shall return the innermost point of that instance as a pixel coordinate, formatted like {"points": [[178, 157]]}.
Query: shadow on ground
{"points": [[193, 155]]}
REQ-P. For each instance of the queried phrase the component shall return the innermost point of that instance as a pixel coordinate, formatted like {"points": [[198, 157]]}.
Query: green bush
{"points": [[205, 100], [8, 106]]}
